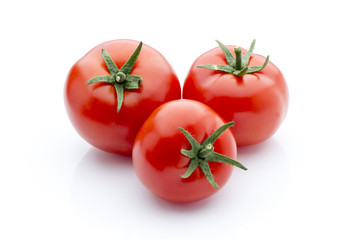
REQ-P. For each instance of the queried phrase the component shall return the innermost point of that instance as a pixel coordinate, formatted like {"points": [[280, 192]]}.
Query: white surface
{"points": [[301, 184]]}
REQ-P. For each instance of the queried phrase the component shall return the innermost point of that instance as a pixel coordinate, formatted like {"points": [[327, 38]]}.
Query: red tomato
{"points": [[93, 109], [257, 101], [164, 154]]}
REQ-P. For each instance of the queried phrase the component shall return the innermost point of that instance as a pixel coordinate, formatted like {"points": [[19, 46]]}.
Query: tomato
{"points": [[255, 98], [175, 154], [111, 91]]}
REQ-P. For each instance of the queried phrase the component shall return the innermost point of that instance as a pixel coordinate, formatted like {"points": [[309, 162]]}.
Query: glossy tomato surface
{"points": [[93, 108], [256, 102], [158, 161]]}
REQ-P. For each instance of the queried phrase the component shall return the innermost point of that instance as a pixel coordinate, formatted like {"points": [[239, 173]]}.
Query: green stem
{"points": [[239, 65], [120, 78], [201, 154], [237, 58], [206, 151]]}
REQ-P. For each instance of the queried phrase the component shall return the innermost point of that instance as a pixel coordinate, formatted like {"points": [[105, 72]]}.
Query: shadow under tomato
{"points": [[105, 188], [106, 192]]}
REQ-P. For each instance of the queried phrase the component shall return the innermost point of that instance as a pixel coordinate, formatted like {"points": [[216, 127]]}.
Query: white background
{"points": [[301, 184]]}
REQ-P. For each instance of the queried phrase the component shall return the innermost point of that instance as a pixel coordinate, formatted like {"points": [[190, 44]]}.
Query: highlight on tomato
{"points": [[184, 152], [111, 91], [242, 87]]}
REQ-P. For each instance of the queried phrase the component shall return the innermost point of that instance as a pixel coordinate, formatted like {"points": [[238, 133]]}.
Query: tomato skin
{"points": [[92, 108], [158, 161], [256, 102]]}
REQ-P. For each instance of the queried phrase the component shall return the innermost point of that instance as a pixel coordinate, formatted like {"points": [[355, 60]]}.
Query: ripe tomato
{"points": [[111, 91], [175, 154], [255, 98]]}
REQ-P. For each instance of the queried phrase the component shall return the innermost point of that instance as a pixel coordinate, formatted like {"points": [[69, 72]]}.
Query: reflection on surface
{"points": [[266, 179], [106, 192]]}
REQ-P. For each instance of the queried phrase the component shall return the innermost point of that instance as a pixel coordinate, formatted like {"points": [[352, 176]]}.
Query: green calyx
{"points": [[120, 78], [238, 65], [201, 154]]}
